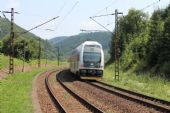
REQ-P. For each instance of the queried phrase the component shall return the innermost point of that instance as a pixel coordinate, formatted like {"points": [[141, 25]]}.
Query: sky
{"points": [[73, 14]]}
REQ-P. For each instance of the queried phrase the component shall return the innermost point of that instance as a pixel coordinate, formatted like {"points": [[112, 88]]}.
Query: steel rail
{"points": [[158, 104], [80, 99], [54, 99], [137, 94]]}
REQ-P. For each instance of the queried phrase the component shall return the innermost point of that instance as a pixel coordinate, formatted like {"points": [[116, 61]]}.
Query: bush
{"points": [[165, 68]]}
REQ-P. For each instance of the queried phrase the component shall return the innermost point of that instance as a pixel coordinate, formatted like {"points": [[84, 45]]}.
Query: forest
{"points": [[144, 42]]}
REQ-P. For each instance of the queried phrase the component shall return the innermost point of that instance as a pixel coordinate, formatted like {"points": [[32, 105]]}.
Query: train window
{"points": [[91, 57], [92, 48]]}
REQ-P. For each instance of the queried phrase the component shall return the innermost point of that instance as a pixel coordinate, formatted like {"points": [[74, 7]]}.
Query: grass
{"points": [[51, 62], [15, 92], [152, 86], [4, 61], [16, 89]]}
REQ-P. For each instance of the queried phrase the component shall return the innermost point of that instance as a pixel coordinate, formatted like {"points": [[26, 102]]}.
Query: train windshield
{"points": [[92, 56]]}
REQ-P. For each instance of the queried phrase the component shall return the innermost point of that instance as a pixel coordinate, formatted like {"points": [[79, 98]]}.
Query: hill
{"points": [[57, 39], [5, 29], [68, 43], [29, 38]]}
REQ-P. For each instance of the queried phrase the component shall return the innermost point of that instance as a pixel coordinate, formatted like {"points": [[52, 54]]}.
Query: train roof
{"points": [[79, 48], [91, 43]]}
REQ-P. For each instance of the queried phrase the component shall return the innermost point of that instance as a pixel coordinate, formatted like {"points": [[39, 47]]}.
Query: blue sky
{"points": [[35, 12]]}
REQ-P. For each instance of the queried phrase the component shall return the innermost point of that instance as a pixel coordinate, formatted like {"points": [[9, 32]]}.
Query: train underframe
{"points": [[90, 74]]}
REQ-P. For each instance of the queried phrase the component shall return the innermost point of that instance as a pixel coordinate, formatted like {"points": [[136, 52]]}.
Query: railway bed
{"points": [[45, 103], [65, 100], [104, 100], [158, 104], [69, 95]]}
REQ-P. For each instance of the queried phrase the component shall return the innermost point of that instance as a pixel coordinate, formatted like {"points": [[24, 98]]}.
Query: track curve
{"points": [[58, 104]]}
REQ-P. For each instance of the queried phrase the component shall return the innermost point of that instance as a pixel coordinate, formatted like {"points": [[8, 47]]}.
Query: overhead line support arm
{"points": [[40, 25]]}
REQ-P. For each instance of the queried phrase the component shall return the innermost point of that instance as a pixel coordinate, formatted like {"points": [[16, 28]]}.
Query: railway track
{"points": [[89, 107], [104, 100], [52, 95], [157, 104], [102, 97]]}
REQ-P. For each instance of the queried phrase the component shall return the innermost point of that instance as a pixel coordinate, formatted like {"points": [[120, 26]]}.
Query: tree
{"points": [[19, 44], [155, 34], [130, 26]]}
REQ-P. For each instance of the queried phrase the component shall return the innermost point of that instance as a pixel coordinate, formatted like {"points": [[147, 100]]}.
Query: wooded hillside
{"points": [[28, 39], [145, 42]]}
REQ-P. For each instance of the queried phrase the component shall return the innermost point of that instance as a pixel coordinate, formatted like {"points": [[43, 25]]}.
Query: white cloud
{"points": [[13, 4]]}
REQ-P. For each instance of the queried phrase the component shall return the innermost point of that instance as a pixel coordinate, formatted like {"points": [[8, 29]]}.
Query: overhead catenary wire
{"points": [[101, 25], [122, 13], [105, 8], [46, 29], [102, 16], [107, 17], [43, 16], [58, 12], [3, 13], [61, 8], [68, 13], [89, 30], [150, 5], [109, 5], [39, 25]]}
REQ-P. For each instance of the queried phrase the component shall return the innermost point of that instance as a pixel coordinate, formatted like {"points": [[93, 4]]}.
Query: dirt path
{"points": [[28, 68], [44, 101], [35, 100]]}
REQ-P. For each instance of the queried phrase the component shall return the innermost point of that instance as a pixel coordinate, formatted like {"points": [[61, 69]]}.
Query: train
{"points": [[87, 61]]}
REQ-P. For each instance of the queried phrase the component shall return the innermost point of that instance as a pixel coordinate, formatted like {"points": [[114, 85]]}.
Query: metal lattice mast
{"points": [[116, 47], [116, 42], [23, 55], [11, 55], [39, 53], [11, 51], [58, 51], [46, 53]]}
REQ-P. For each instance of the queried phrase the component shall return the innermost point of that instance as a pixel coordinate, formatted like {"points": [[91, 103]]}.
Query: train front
{"points": [[93, 62]]}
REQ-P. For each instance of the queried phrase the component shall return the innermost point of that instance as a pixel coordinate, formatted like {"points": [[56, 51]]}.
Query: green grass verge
{"points": [[51, 62], [4, 61], [152, 86], [15, 92]]}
